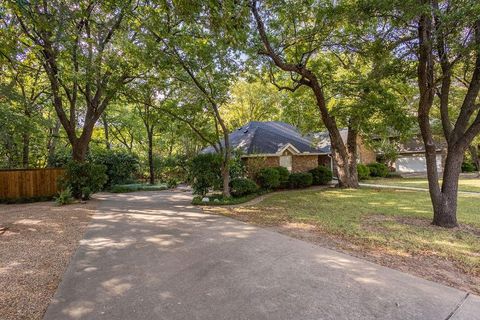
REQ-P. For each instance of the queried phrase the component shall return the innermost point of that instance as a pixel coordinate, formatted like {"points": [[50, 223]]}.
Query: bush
{"points": [[172, 183], [120, 165], [268, 178], [243, 186], [205, 173], [84, 178], [378, 170], [283, 175], [363, 172], [300, 180], [321, 175], [468, 167], [64, 197], [171, 167]]}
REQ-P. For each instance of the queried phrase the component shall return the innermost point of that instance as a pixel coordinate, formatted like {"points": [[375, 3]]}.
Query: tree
{"points": [[192, 36], [322, 46], [78, 46], [448, 53]]}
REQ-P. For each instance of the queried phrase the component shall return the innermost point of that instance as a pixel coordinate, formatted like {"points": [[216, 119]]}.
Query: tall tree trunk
{"points": [[52, 142], [26, 149], [106, 131], [226, 174], [445, 204], [150, 156]]}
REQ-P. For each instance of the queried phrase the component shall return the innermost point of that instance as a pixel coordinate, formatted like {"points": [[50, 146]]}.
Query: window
{"points": [[286, 161]]}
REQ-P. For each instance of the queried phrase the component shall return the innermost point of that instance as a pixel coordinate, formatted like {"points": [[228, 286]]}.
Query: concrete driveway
{"points": [[152, 255]]}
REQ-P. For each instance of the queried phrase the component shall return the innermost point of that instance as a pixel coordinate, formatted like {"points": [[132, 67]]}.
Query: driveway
{"points": [[151, 255]]}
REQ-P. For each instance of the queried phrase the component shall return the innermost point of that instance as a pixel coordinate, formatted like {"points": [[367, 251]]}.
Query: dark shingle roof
{"points": [[322, 139], [267, 138]]}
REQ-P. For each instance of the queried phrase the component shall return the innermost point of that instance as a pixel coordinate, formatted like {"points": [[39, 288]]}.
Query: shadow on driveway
{"points": [[151, 255]]}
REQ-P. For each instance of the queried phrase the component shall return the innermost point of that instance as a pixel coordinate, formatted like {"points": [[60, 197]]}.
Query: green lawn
{"points": [[124, 188], [394, 221], [463, 185]]}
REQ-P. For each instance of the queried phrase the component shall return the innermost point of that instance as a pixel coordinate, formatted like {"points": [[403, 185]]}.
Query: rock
{"points": [[205, 199], [216, 200]]}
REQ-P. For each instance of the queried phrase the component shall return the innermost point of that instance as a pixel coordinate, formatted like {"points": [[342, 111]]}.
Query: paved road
{"points": [[153, 256]]}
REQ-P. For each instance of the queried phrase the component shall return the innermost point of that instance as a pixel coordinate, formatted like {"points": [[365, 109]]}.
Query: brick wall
{"points": [[365, 154], [304, 163], [254, 164]]}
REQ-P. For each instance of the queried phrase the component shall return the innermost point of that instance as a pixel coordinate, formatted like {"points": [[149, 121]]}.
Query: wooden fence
{"points": [[29, 183]]}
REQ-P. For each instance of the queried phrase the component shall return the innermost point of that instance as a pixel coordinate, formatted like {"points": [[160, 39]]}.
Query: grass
{"points": [[393, 221], [464, 184], [219, 200], [124, 188]]}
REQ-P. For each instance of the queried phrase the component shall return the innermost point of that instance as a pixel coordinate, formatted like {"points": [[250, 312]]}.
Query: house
{"points": [[274, 143], [411, 156], [365, 155], [411, 153]]}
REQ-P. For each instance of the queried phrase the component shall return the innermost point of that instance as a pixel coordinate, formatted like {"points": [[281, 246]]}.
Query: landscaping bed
{"points": [[36, 248], [389, 227]]}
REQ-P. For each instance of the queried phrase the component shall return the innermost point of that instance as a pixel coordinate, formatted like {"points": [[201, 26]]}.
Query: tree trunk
{"points": [[106, 131], [445, 204], [52, 142], [150, 156], [79, 150], [26, 149], [226, 174]]}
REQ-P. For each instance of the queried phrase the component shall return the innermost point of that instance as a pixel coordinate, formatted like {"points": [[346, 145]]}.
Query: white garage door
{"points": [[415, 163]]}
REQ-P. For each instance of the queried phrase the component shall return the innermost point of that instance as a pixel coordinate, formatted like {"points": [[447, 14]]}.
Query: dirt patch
{"points": [[36, 244], [425, 265]]}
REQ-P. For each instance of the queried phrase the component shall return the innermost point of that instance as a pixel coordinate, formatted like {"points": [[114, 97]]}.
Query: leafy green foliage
{"points": [[172, 183], [363, 172], [84, 178], [321, 175], [205, 172], [243, 186], [120, 165], [283, 176], [378, 170], [171, 167], [300, 180], [468, 167], [64, 197], [268, 178]]}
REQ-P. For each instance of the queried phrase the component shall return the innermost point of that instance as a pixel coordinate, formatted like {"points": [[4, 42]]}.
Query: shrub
{"points": [[378, 170], [363, 172], [321, 175], [243, 186], [171, 167], [468, 167], [172, 183], [283, 174], [268, 178], [205, 173], [300, 180], [64, 197], [120, 165], [84, 177]]}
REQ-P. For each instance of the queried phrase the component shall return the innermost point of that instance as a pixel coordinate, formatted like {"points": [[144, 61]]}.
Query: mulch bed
{"points": [[37, 241]]}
